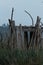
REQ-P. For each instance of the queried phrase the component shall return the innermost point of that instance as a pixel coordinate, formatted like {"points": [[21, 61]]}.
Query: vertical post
{"points": [[12, 30], [21, 35], [38, 30], [12, 14]]}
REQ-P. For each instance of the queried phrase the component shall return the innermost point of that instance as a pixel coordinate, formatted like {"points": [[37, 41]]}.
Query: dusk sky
{"points": [[34, 7]]}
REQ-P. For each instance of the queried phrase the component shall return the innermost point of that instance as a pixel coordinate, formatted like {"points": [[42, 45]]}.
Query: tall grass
{"points": [[21, 57]]}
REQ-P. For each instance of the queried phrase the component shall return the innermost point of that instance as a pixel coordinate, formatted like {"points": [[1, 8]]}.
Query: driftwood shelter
{"points": [[25, 37]]}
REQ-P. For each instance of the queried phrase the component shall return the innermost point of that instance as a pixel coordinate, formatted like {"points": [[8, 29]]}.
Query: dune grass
{"points": [[21, 57]]}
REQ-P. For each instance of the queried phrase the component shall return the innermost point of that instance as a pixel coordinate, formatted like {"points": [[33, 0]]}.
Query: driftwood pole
{"points": [[30, 17], [38, 28], [12, 29]]}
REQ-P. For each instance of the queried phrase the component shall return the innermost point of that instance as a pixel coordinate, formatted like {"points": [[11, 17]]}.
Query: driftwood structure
{"points": [[24, 37]]}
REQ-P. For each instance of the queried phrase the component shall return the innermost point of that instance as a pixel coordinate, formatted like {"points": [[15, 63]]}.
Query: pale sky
{"points": [[34, 7]]}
